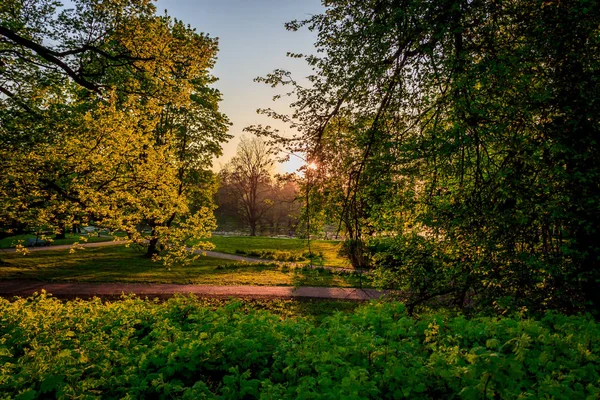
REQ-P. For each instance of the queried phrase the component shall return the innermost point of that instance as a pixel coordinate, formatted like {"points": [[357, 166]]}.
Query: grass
{"points": [[71, 238], [328, 248], [122, 264]]}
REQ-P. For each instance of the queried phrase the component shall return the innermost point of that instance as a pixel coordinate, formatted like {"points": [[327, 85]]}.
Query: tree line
{"points": [[251, 199]]}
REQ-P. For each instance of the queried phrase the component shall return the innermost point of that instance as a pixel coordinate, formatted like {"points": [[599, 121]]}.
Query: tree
{"points": [[247, 178], [108, 117], [471, 132], [281, 218], [284, 216]]}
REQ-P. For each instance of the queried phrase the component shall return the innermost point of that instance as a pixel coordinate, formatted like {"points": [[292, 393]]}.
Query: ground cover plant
{"points": [[326, 251], [122, 264], [185, 349]]}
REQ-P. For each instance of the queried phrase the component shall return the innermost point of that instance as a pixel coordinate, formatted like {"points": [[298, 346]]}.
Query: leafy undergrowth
{"points": [[183, 348], [275, 255]]}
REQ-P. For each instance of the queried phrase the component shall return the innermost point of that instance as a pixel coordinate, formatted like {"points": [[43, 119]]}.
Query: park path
{"points": [[11, 288], [215, 254]]}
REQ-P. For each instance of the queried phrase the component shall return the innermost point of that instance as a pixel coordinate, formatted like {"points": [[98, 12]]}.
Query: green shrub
{"points": [[275, 255], [428, 267], [181, 348]]}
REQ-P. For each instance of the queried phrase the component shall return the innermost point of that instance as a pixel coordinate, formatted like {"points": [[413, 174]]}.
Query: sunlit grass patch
{"points": [[326, 251], [123, 264]]}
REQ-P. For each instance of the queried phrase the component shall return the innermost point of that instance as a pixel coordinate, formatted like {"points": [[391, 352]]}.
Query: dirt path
{"points": [[114, 290]]}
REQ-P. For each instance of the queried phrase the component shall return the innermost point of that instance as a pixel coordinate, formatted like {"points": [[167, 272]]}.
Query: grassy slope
{"points": [[121, 264], [329, 248]]}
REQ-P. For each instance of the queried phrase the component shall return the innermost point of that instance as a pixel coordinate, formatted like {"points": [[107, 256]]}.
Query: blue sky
{"points": [[252, 42]]}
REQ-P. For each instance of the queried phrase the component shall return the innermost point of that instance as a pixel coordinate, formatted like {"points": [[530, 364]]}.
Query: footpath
{"points": [[23, 288], [215, 254], [74, 290]]}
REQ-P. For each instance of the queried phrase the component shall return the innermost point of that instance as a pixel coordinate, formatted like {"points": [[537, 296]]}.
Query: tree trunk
{"points": [[62, 234], [152, 248], [152, 245]]}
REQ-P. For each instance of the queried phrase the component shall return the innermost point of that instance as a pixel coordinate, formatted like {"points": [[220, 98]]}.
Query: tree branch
{"points": [[20, 103], [50, 56]]}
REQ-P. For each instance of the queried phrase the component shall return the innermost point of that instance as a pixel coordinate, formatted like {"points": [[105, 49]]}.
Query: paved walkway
{"points": [[114, 290], [64, 246]]}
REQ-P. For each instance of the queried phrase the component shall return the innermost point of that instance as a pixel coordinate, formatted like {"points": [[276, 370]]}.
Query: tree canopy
{"points": [[469, 130], [107, 115]]}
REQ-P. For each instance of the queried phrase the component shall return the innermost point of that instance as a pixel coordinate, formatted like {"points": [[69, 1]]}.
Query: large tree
{"points": [[469, 131], [107, 115]]}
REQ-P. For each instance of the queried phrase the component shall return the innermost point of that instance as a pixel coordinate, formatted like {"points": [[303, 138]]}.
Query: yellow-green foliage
{"points": [[127, 142], [184, 349]]}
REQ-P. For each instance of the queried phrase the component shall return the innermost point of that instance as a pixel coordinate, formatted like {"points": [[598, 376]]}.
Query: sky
{"points": [[252, 42]]}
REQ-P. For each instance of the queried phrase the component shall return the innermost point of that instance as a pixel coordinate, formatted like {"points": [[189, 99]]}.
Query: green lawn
{"points": [[122, 264], [10, 242], [328, 248]]}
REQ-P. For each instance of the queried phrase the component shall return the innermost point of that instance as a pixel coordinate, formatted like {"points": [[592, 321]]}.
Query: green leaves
{"points": [[107, 115], [139, 349], [472, 124]]}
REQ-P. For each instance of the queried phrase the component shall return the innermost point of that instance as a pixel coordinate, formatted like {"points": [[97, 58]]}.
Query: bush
{"points": [[143, 349], [428, 268]]}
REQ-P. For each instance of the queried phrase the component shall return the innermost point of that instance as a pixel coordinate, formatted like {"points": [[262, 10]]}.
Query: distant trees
{"points": [[460, 142], [250, 194]]}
